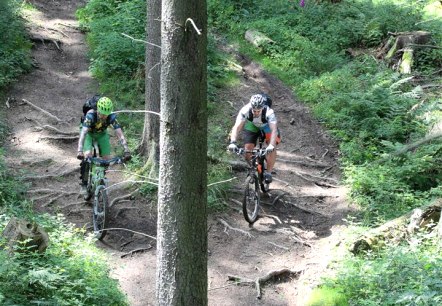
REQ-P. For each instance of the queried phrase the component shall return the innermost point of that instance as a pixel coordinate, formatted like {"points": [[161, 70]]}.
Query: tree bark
{"points": [[182, 195], [149, 146]]}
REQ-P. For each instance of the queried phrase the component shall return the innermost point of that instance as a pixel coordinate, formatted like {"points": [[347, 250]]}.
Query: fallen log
{"points": [[397, 229]]}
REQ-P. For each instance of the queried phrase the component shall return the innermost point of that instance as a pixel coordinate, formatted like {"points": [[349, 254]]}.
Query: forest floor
{"points": [[301, 219]]}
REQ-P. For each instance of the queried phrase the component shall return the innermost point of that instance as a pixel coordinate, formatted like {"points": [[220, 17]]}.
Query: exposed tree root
{"points": [[123, 209], [318, 180], [278, 246], [52, 175], [43, 40], [64, 138], [73, 204], [42, 110], [140, 250], [227, 226], [123, 197], [303, 208], [50, 128], [308, 163], [260, 281]]}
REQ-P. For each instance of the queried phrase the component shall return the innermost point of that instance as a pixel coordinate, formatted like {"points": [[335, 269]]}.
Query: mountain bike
{"points": [[254, 182], [96, 187]]}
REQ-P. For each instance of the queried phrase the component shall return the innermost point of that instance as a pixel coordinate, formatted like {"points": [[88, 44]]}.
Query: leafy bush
{"points": [[14, 47], [117, 61], [70, 272], [398, 275]]}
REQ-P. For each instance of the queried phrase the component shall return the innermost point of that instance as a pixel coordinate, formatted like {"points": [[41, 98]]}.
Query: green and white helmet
{"points": [[105, 106]]}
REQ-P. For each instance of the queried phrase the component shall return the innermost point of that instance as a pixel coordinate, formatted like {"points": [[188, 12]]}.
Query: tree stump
{"points": [[399, 48], [30, 236]]}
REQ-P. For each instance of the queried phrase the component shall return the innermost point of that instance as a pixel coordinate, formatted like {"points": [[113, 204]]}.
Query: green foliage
{"points": [[327, 296], [14, 47], [117, 61], [70, 272], [407, 274]]}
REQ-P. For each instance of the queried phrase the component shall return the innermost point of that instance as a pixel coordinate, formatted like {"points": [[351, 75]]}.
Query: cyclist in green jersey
{"points": [[94, 129]]}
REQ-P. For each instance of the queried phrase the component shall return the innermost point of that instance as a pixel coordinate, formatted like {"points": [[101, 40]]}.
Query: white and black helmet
{"points": [[257, 101]]}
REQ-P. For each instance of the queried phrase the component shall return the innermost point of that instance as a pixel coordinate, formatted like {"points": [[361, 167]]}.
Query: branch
{"points": [[220, 182], [410, 147], [136, 111], [140, 40], [128, 230]]}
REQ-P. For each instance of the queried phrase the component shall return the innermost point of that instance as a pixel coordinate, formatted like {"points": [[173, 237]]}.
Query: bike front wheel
{"points": [[251, 200], [100, 211]]}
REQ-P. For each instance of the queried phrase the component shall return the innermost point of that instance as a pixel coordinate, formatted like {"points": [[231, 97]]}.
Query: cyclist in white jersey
{"points": [[255, 119]]}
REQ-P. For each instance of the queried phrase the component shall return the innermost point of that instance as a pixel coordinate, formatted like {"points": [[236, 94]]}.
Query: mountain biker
{"points": [[255, 119], [94, 129]]}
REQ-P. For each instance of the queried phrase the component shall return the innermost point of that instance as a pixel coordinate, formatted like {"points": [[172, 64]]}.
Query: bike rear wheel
{"points": [[264, 186], [251, 200], [100, 211]]}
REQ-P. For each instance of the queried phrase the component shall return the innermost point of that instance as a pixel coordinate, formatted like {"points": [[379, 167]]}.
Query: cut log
{"points": [[30, 236], [257, 38], [399, 228]]}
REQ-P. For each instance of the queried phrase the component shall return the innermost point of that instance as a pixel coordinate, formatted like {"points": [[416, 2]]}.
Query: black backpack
{"points": [[90, 103], [268, 101]]}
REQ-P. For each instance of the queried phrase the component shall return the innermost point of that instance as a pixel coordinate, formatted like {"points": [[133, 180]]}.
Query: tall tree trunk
{"points": [[182, 198], [150, 141]]}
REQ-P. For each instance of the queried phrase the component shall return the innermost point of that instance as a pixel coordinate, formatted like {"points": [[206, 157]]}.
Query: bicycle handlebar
{"points": [[105, 162], [261, 152]]}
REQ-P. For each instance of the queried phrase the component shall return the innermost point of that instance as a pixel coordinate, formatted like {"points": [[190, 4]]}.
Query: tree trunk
{"points": [[397, 229], [149, 146], [182, 195]]}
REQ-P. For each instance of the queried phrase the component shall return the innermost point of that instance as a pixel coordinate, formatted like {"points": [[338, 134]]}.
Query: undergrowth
{"points": [[14, 45]]}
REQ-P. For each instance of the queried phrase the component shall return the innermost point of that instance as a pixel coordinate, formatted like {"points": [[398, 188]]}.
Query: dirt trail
{"points": [[301, 219]]}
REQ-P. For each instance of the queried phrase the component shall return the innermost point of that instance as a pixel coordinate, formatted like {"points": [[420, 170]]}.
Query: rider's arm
{"points": [[83, 133], [273, 133], [239, 124], [120, 136]]}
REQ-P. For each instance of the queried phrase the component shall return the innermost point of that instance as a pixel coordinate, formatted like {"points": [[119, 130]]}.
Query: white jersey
{"points": [[246, 114]]}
